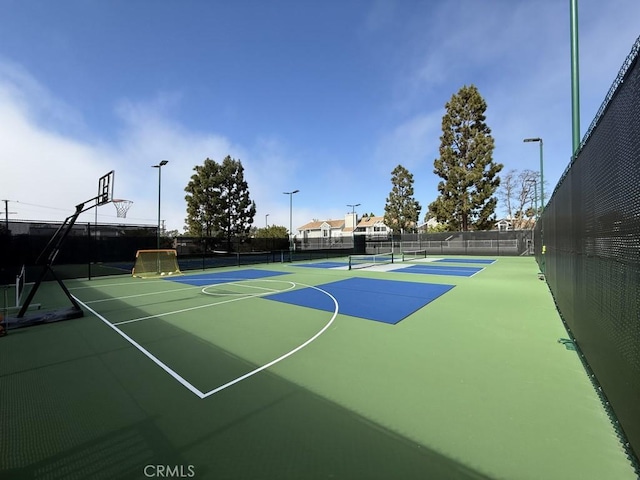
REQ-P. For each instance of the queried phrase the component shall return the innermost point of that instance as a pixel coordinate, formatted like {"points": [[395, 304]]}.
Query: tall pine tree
{"points": [[218, 202], [401, 212], [470, 176]]}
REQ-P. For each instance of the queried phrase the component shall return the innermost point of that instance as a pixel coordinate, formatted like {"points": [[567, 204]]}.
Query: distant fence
{"points": [[494, 243], [591, 232], [88, 247], [106, 249]]}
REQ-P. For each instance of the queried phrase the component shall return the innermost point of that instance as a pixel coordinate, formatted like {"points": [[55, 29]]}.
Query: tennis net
{"points": [[414, 255], [365, 261]]}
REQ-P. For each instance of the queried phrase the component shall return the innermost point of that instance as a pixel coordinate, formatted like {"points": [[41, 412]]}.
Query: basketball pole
{"points": [[50, 252]]}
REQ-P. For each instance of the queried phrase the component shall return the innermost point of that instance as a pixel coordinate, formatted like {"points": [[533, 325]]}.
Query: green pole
{"points": [[535, 199], [541, 177], [291, 222], [159, 189], [575, 78], [159, 167]]}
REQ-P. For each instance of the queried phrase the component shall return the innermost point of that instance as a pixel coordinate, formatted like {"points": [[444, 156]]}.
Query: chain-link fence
{"points": [[492, 243], [590, 232]]}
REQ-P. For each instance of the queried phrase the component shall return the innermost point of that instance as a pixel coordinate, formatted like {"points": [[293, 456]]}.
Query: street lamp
{"points": [[159, 167], [353, 213], [541, 170], [290, 217], [266, 224]]}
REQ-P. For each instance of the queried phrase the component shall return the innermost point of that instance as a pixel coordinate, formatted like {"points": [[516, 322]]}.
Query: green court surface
{"points": [[206, 377]]}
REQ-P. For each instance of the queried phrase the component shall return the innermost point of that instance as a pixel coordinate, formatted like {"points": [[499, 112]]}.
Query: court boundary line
{"points": [[196, 391], [111, 299], [182, 310], [144, 351], [441, 268]]}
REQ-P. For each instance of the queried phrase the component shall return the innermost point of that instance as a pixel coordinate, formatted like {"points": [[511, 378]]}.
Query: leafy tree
{"points": [[272, 231], [438, 228], [470, 176], [218, 202], [401, 212]]}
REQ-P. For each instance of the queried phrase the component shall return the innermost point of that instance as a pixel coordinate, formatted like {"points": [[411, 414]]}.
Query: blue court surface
{"points": [[324, 265], [483, 261], [224, 277], [440, 270], [386, 301]]}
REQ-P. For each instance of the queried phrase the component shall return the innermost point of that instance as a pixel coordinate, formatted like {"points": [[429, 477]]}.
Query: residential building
{"points": [[335, 230]]}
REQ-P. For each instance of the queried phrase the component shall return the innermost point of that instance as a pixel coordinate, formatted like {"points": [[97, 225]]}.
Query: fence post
{"points": [[89, 250]]}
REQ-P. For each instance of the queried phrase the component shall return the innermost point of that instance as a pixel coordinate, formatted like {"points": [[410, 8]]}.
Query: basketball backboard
{"points": [[105, 188]]}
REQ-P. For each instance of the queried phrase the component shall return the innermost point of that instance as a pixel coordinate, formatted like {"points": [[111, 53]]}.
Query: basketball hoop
{"points": [[122, 207]]}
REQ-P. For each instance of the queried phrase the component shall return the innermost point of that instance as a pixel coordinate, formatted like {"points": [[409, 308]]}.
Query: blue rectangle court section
{"points": [[213, 278], [451, 270], [387, 301], [481, 261]]}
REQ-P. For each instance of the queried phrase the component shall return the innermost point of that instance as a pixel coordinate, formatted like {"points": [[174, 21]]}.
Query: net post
{"points": [[5, 312], [18, 287]]}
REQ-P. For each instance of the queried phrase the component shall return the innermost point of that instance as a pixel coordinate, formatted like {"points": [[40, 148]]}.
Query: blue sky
{"points": [[326, 97]]}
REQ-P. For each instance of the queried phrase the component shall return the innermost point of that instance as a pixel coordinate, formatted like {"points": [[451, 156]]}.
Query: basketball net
{"points": [[122, 207]]}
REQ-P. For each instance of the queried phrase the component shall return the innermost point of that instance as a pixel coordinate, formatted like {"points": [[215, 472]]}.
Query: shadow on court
{"points": [[80, 402]]}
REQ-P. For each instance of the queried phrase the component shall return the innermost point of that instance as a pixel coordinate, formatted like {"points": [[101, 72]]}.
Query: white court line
{"points": [[110, 299], [189, 386], [146, 282], [279, 359], [271, 290], [166, 314], [474, 274], [162, 365], [148, 317]]}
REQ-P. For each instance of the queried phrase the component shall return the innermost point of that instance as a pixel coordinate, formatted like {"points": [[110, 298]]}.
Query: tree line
{"points": [[219, 204]]}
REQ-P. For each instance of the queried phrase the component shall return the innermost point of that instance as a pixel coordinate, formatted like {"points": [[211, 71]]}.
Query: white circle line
{"points": [[267, 291], [286, 355]]}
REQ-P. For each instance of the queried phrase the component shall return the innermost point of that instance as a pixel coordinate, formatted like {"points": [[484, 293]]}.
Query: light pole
{"points": [[353, 213], [266, 224], [575, 79], [535, 197], [159, 167], [544, 248], [290, 218], [539, 140]]}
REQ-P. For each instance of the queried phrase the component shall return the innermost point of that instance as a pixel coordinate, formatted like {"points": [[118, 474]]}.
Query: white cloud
{"points": [[40, 166], [47, 172], [413, 143]]}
